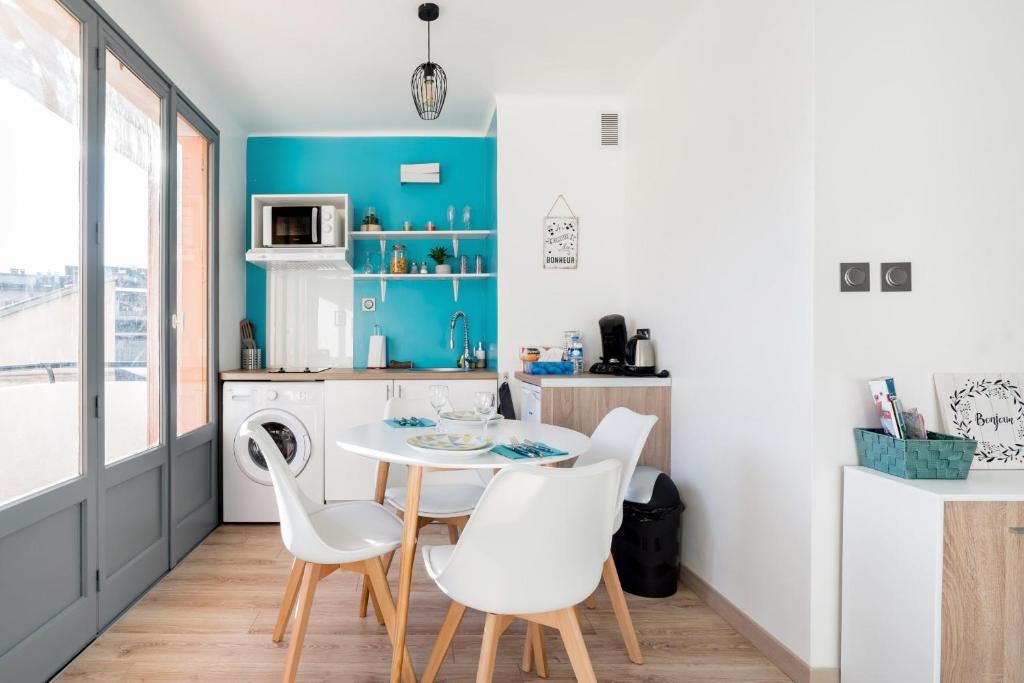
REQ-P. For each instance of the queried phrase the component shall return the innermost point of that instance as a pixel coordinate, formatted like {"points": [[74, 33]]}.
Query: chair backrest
{"points": [[293, 507], [537, 540], [620, 436]]}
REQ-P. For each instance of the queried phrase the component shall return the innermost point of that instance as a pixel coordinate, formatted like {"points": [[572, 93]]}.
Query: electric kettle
{"points": [[640, 354]]}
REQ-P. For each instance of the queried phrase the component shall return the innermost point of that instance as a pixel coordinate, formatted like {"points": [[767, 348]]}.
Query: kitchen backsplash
{"points": [[415, 315]]}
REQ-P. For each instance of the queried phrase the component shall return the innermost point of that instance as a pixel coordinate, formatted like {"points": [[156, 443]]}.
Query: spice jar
{"points": [[399, 266]]}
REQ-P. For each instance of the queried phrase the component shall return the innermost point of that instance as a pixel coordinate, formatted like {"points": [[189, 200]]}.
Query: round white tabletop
{"points": [[379, 441]]}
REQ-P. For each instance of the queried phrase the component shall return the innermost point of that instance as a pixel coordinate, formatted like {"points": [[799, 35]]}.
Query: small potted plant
{"points": [[370, 221], [440, 255]]}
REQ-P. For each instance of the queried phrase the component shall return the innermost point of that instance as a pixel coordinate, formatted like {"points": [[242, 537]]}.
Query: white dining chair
{"points": [[322, 539], [621, 436], [533, 550], [441, 499]]}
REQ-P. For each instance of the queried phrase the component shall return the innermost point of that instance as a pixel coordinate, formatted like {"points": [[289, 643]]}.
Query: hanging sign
{"points": [[988, 408], [561, 237]]}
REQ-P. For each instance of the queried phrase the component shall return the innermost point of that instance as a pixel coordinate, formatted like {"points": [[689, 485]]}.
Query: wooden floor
{"points": [[211, 618]]}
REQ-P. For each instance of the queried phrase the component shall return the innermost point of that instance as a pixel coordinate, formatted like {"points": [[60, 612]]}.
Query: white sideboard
{"points": [[933, 578]]}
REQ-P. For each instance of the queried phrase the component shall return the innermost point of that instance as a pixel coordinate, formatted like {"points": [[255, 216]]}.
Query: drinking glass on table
{"points": [[485, 404], [438, 400]]}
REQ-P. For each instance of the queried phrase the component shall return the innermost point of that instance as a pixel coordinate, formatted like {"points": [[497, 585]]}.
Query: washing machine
{"points": [[293, 414]]}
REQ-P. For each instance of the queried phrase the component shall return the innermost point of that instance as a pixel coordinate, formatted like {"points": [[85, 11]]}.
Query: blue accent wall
{"points": [[416, 314]]}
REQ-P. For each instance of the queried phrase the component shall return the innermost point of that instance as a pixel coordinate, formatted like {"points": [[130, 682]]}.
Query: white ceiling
{"points": [[343, 66]]}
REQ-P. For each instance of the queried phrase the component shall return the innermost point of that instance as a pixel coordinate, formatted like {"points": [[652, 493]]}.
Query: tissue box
{"points": [[562, 367]]}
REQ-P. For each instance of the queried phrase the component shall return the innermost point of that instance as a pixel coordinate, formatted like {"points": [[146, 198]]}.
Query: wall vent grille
{"points": [[609, 130]]}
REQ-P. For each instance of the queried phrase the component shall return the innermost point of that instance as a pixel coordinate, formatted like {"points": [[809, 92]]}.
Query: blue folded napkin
{"points": [[547, 451], [423, 422]]}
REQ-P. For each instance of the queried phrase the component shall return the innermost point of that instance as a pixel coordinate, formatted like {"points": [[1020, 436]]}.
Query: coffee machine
{"points": [[613, 346]]}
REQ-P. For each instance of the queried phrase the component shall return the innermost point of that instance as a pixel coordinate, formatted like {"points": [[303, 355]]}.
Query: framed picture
{"points": [[988, 408], [561, 237]]}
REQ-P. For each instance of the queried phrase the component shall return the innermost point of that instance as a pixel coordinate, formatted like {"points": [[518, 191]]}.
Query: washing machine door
{"points": [[288, 433]]}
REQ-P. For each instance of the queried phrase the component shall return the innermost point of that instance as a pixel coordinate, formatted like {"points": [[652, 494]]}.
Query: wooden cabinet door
{"points": [[983, 592], [348, 403], [583, 408]]}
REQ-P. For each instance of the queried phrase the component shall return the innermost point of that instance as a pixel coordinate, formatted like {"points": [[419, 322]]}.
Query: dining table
{"points": [[388, 445]]}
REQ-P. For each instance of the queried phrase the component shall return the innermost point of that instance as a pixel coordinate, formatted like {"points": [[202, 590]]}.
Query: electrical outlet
{"points": [[369, 304], [896, 277], [854, 277]]}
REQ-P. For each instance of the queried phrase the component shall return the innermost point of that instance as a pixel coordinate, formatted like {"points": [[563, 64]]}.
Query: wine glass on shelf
{"points": [[451, 216], [485, 405], [438, 400], [466, 217]]}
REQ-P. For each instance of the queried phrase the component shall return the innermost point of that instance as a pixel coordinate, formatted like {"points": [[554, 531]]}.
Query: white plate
{"points": [[468, 416], [461, 445]]}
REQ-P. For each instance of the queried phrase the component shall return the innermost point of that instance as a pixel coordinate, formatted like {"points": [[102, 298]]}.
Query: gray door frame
{"points": [[76, 508], [194, 456], [72, 504], [132, 481]]}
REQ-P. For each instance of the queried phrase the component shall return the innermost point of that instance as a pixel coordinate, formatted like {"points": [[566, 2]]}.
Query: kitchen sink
{"points": [[434, 370]]}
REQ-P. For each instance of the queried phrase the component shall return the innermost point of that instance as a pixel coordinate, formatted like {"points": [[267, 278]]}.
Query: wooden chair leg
{"points": [[291, 591], [444, 641], [590, 602], [572, 637], [534, 651], [382, 592], [364, 598], [494, 626], [310, 577], [611, 582], [453, 533]]}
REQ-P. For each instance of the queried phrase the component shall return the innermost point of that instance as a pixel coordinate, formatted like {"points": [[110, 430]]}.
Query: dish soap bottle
{"points": [[481, 356]]}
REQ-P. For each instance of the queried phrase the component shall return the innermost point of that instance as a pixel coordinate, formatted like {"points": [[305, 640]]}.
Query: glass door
{"points": [[195, 495], [47, 482], [133, 487]]}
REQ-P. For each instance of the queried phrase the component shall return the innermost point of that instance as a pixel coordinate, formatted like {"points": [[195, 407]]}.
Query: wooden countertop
{"points": [[590, 380], [352, 373]]}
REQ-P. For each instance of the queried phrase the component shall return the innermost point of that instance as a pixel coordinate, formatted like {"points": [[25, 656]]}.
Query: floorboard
{"points": [[211, 618]]}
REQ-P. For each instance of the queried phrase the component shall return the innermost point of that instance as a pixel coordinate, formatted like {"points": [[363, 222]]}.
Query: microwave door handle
{"points": [[313, 226]]}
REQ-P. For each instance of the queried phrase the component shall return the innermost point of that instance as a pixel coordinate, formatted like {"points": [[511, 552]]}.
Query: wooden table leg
{"points": [[409, 533], [383, 468]]}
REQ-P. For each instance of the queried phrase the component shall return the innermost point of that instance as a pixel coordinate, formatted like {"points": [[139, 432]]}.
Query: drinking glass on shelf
{"points": [[451, 217], [438, 400], [485, 404], [465, 217]]}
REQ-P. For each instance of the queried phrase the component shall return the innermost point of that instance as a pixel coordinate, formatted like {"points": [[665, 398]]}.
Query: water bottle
{"points": [[575, 353]]}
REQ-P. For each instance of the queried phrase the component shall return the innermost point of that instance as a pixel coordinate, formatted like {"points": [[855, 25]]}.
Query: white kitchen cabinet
{"points": [[460, 391], [348, 403]]}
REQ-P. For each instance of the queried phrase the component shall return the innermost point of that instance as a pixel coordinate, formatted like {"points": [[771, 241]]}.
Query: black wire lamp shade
{"points": [[429, 84]]}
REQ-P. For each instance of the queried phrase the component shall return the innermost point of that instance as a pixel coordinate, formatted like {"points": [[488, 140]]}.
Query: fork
{"points": [[530, 451]]}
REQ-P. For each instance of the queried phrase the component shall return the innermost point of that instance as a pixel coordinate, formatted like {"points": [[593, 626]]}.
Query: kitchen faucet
{"points": [[466, 364]]}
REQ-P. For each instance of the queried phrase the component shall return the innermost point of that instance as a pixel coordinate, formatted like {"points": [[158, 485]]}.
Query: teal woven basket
{"points": [[940, 456]]}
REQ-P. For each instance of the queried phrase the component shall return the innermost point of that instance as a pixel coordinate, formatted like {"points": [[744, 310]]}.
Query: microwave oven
{"points": [[301, 226]]}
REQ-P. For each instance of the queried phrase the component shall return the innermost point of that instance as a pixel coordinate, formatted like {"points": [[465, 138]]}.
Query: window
{"points": [[193, 312], [40, 249], [133, 170]]}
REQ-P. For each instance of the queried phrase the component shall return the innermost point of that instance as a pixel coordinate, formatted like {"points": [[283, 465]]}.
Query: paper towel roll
{"points": [[378, 355]]}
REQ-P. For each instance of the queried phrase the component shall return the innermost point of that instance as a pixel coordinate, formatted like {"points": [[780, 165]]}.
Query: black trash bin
{"points": [[646, 546]]}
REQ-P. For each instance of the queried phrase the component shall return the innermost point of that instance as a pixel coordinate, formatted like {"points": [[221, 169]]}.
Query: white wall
{"points": [[919, 157], [718, 134], [159, 43], [549, 146]]}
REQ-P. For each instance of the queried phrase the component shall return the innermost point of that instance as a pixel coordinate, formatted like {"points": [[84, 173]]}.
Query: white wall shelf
{"points": [[385, 236], [396, 235], [383, 278]]}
